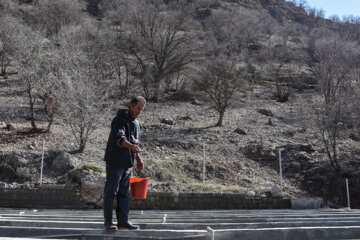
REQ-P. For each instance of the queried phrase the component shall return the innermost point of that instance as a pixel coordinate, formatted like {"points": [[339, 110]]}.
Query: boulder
{"points": [[10, 127], [240, 131], [301, 157], [22, 172], [215, 5], [298, 147], [266, 112], [15, 160], [354, 137], [168, 121], [250, 193], [203, 12], [277, 192], [7, 171], [64, 162], [295, 164], [91, 183], [92, 187]]}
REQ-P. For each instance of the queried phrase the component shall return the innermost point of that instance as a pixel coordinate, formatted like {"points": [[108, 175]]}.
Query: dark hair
{"points": [[137, 99]]}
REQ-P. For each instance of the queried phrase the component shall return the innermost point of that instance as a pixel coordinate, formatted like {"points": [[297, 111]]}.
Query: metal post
{"points": [[204, 164], [42, 162], [212, 233], [281, 181], [347, 193]]}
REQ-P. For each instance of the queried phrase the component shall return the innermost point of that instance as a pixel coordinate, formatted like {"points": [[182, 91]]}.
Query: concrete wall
{"points": [[158, 200], [47, 196], [63, 196]]}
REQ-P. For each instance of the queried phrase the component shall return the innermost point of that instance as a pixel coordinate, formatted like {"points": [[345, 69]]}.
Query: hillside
{"points": [[241, 155]]}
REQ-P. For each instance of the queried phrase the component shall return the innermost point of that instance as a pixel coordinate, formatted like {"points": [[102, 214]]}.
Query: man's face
{"points": [[136, 110]]}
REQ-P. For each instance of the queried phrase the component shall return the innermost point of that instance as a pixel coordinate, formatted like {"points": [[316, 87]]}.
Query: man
{"points": [[121, 151]]}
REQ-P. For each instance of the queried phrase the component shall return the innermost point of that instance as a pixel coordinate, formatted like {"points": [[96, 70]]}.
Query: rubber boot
{"points": [[108, 209]]}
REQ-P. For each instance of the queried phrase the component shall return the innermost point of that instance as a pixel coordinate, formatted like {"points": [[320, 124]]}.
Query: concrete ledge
{"points": [[65, 196], [300, 233], [306, 203]]}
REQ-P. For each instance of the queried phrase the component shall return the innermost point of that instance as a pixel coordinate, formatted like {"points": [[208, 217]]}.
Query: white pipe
{"points": [[212, 233], [42, 162], [281, 181], [164, 218], [347, 192], [204, 164]]}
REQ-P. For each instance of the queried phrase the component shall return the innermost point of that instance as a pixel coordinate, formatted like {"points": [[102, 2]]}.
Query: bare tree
{"points": [[38, 64], [50, 16], [81, 85], [9, 29], [284, 65], [163, 43], [238, 30], [219, 82], [335, 63]]}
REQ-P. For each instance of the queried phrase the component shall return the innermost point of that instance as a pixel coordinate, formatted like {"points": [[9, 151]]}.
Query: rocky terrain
{"points": [[241, 156]]}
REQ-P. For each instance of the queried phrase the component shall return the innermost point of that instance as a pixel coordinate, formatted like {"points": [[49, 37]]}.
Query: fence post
{"points": [[204, 163], [347, 193], [42, 162], [280, 169]]}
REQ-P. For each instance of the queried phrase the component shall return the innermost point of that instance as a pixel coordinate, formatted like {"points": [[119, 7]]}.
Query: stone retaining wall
{"points": [[63, 196]]}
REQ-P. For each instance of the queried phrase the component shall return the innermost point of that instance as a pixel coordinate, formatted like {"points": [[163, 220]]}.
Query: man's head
{"points": [[136, 106]]}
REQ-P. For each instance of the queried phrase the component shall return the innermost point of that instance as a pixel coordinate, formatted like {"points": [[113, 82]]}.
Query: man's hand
{"points": [[139, 163], [132, 147], [135, 148]]}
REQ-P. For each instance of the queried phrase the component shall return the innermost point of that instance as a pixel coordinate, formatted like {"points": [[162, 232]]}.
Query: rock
{"points": [[277, 192], [240, 131], [250, 193], [27, 186], [91, 184], [266, 112], [10, 127], [92, 188], [295, 164], [31, 147], [203, 12], [3, 185], [64, 162], [15, 160], [241, 165], [215, 5], [7, 171], [270, 155], [298, 147], [168, 121], [196, 102], [2, 125], [23, 173], [289, 133], [354, 137], [301, 157]]}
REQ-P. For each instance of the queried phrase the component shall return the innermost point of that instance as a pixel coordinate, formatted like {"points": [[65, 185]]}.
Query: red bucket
{"points": [[139, 187]]}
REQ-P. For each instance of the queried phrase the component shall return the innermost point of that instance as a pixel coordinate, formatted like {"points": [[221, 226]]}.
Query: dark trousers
{"points": [[116, 185]]}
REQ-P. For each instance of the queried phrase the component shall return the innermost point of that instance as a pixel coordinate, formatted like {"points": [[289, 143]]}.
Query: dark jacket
{"points": [[123, 127]]}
